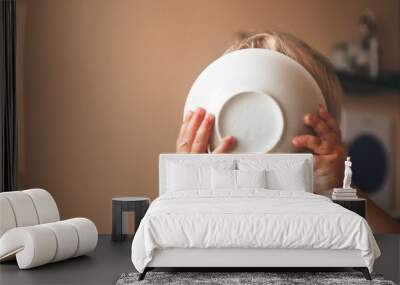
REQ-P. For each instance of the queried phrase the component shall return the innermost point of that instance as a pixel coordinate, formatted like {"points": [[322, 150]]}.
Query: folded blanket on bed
{"points": [[251, 218]]}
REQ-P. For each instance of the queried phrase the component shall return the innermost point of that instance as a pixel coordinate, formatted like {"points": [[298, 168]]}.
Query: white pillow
{"points": [[292, 179], [251, 178], [223, 179], [236, 179], [187, 174], [281, 174], [181, 177]]}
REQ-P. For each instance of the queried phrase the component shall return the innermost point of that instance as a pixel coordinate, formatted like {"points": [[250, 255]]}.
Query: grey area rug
{"points": [[232, 278]]}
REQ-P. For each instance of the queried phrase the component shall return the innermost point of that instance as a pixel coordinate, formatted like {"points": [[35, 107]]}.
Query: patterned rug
{"points": [[232, 278]]}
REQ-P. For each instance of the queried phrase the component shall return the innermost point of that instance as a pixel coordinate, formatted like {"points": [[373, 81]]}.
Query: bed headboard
{"points": [[292, 157]]}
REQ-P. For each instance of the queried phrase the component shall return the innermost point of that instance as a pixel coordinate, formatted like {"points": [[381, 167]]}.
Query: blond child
{"points": [[326, 145]]}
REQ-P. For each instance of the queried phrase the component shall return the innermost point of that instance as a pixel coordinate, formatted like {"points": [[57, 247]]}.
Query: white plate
{"points": [[258, 96]]}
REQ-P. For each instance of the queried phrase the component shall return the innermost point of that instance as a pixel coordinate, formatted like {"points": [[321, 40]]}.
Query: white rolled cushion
{"points": [[23, 208], [33, 245], [67, 240], [223, 179], [40, 244], [87, 234], [45, 205], [7, 218], [251, 178]]}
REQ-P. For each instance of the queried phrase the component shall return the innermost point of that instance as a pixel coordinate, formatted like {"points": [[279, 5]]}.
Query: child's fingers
{"points": [[318, 125], [329, 119], [307, 141], [194, 124], [313, 143], [182, 130], [188, 130], [226, 145], [203, 134]]}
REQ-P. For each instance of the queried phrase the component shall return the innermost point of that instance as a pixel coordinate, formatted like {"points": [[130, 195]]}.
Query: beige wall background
{"points": [[101, 83]]}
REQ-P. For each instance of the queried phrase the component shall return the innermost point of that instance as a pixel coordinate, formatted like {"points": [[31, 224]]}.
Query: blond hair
{"points": [[315, 63]]}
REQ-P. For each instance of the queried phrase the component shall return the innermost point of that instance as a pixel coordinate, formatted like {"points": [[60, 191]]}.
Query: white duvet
{"points": [[250, 219]]}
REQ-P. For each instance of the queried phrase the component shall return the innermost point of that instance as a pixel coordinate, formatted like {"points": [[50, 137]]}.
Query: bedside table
{"points": [[138, 205], [357, 206]]}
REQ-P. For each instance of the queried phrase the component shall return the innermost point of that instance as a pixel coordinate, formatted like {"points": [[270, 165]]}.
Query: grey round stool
{"points": [[138, 205]]}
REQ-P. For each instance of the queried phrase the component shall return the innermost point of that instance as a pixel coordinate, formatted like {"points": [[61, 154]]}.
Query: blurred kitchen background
{"points": [[101, 86]]}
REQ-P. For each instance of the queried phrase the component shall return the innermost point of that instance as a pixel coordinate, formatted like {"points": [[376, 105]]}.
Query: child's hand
{"points": [[329, 151], [196, 131]]}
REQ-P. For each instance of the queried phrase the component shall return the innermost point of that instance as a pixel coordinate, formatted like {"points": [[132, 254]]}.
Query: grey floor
{"points": [[102, 266], [110, 260]]}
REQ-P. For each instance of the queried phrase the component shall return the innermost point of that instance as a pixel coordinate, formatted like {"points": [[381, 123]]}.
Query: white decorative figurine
{"points": [[347, 174], [345, 193]]}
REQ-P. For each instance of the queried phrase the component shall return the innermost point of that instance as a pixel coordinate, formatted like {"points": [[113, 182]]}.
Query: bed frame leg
{"points": [[364, 271], [143, 274]]}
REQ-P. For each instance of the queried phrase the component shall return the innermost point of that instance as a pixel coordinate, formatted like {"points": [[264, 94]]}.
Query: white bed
{"points": [[202, 226]]}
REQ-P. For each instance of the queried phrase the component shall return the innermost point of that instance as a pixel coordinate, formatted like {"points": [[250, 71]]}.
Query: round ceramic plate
{"points": [[258, 96], [263, 117]]}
